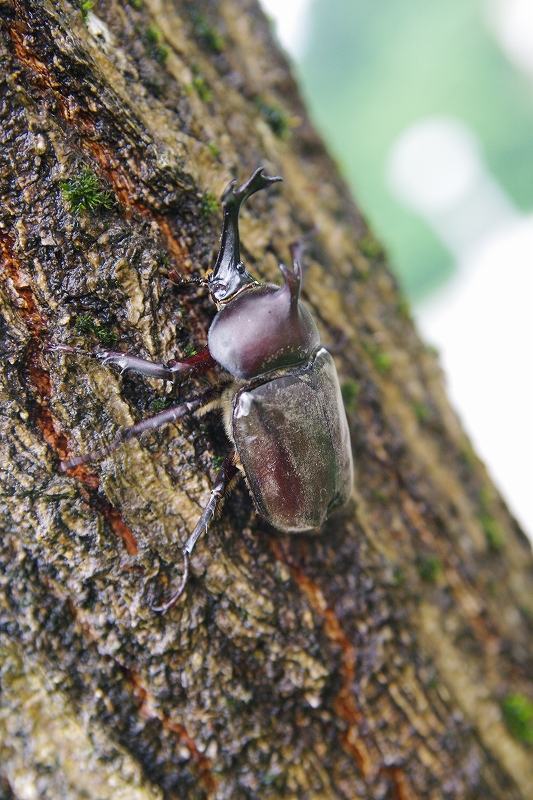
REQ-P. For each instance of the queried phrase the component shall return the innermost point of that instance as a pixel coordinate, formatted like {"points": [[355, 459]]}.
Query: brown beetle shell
{"points": [[293, 441]]}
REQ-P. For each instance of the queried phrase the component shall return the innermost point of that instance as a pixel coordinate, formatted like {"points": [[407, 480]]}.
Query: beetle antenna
{"points": [[181, 283], [63, 348]]}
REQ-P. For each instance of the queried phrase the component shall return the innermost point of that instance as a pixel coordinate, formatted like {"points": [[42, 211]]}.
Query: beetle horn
{"points": [[293, 282], [294, 279], [229, 274], [297, 251]]}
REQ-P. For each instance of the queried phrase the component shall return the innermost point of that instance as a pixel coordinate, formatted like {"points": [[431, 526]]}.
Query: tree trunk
{"points": [[388, 657]]}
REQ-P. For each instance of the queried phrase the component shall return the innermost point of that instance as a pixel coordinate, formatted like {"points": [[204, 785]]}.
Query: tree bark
{"points": [[371, 661]]}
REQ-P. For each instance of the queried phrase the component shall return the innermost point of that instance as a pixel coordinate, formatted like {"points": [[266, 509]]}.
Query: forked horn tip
{"points": [[293, 281]]}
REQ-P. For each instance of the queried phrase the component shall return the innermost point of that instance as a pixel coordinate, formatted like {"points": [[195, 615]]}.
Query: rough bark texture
{"points": [[368, 662]]}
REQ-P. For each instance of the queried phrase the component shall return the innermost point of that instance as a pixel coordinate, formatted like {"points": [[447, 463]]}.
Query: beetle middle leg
{"points": [[150, 423], [227, 472]]}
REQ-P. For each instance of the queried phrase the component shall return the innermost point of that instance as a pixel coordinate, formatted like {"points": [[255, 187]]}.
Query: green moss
{"points": [[349, 390], [404, 308], [370, 247], [485, 497], [421, 410], [204, 30], [491, 528], [204, 92], [209, 204], [86, 325], [214, 149], [216, 461], [153, 34], [84, 192], [275, 116], [156, 48], [398, 576], [379, 496], [106, 336], [517, 712], [382, 360], [469, 456], [162, 53], [493, 532], [160, 403], [429, 569], [162, 259], [86, 6], [137, 4]]}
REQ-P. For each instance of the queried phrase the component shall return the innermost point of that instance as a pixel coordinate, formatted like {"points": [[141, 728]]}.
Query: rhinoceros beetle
{"points": [[282, 404]]}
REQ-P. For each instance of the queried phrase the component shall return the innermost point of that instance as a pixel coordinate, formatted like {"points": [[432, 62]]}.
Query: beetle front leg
{"points": [[226, 474], [191, 366]]}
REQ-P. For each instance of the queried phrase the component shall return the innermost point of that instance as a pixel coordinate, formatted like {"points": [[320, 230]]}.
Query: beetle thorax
{"points": [[262, 329]]}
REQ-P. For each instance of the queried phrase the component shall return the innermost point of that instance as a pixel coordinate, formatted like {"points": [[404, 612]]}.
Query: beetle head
{"points": [[229, 275], [225, 283]]}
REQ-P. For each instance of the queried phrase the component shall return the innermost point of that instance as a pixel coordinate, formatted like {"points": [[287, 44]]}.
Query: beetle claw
{"points": [[63, 348], [164, 607], [109, 357]]}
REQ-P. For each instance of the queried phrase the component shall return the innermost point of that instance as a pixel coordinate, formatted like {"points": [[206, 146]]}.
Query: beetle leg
{"points": [[225, 475], [200, 362], [193, 365], [148, 424]]}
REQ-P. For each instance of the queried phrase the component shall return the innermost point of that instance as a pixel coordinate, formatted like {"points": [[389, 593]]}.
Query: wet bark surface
{"points": [[370, 661]]}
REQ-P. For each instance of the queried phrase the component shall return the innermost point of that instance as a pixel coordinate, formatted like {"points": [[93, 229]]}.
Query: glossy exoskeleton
{"points": [[281, 398]]}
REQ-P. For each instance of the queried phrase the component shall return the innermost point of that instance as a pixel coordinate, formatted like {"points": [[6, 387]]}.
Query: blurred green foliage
{"points": [[373, 67]]}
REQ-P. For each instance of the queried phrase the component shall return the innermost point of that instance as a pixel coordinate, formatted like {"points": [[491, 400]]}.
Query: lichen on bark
{"points": [[369, 662]]}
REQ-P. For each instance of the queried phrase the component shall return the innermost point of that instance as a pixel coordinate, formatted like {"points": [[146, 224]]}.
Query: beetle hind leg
{"points": [[150, 423], [225, 477]]}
